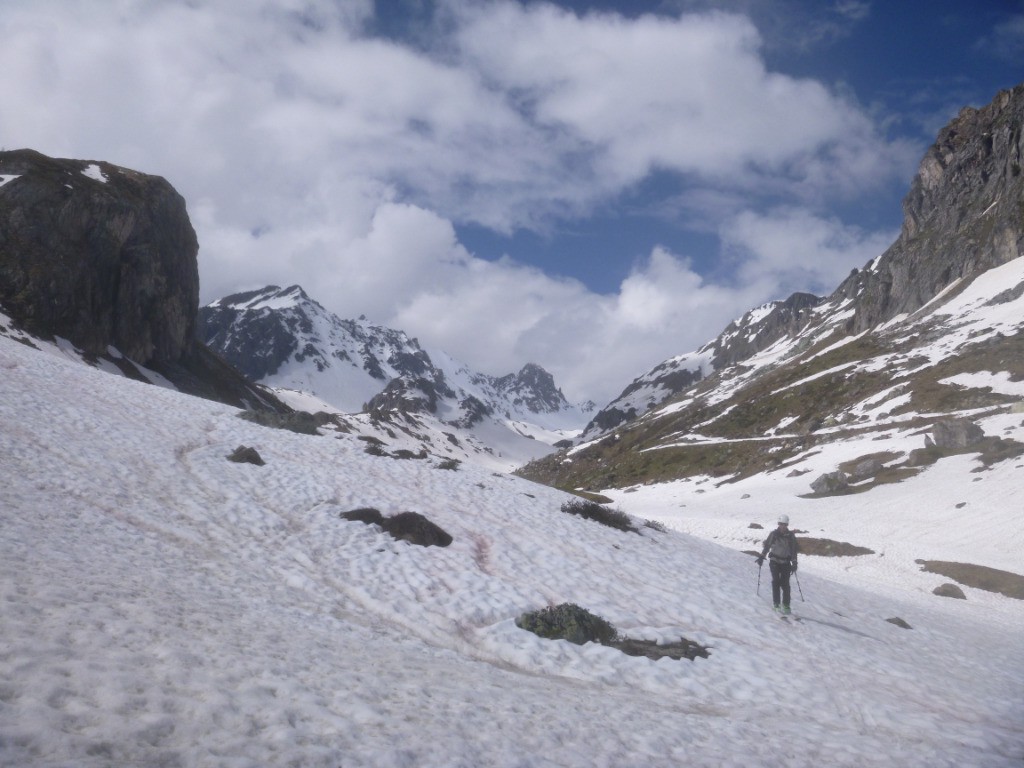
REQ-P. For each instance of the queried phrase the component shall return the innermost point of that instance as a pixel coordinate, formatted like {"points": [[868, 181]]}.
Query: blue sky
{"points": [[591, 186]]}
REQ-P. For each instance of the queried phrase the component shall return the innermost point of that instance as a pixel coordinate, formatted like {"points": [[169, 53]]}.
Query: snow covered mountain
{"points": [[962, 216], [933, 329], [182, 586], [162, 605], [384, 381]]}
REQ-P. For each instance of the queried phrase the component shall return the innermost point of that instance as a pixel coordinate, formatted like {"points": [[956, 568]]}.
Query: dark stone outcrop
{"points": [[949, 590], [405, 526], [104, 256], [245, 454], [101, 263], [961, 216]]}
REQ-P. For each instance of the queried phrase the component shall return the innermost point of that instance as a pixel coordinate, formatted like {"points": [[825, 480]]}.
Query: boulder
{"points": [[98, 254], [957, 434], [831, 482], [949, 590], [106, 257]]}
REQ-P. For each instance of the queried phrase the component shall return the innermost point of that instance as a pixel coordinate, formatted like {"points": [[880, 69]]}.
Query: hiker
{"points": [[780, 546]]}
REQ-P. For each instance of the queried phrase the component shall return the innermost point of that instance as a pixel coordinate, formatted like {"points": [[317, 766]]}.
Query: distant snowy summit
{"points": [[285, 340]]}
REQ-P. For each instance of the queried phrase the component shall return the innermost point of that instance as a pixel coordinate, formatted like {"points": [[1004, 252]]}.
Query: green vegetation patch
{"points": [[830, 548], [569, 621], [978, 576]]}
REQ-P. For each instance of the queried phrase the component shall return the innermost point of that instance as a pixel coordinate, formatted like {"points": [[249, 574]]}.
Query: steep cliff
{"points": [[964, 214], [106, 257]]}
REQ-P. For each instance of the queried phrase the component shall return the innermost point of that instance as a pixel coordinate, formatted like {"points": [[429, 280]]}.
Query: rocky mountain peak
{"points": [[930, 330], [533, 388], [963, 215]]}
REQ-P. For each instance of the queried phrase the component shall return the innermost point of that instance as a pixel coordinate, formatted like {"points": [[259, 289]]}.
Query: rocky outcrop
{"points": [[961, 216], [106, 257], [532, 388], [97, 254], [760, 328]]}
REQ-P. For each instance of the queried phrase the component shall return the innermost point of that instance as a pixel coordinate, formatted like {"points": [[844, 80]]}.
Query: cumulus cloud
{"points": [[311, 151], [688, 94]]}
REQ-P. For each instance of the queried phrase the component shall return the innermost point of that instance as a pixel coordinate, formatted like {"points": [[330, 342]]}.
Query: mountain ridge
{"points": [[380, 376], [964, 202], [880, 337]]}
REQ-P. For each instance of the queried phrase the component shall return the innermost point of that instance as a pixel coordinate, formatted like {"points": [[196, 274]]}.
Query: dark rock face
{"points": [[961, 216], [532, 387], [98, 254], [106, 257]]}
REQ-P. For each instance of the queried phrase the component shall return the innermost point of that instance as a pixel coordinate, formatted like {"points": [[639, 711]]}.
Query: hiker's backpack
{"points": [[783, 545]]}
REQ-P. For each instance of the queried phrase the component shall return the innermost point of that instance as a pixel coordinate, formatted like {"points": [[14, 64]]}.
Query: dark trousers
{"points": [[780, 580]]}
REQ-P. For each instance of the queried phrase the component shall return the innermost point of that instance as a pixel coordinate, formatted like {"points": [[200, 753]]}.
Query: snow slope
{"points": [[160, 605]]}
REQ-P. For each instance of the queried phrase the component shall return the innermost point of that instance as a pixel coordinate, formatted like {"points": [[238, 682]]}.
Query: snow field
{"points": [[160, 605]]}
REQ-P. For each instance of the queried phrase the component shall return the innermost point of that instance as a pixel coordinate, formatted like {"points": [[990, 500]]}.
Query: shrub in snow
{"points": [[567, 622], [405, 453], [367, 515], [416, 529], [590, 510], [578, 625], [830, 548], [452, 464]]}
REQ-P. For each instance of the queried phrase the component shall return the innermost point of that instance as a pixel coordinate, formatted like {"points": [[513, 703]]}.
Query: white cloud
{"points": [[791, 249], [311, 153], [1006, 40], [688, 94]]}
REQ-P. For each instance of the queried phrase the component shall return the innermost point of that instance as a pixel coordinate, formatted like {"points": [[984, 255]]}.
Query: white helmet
{"points": [[784, 519]]}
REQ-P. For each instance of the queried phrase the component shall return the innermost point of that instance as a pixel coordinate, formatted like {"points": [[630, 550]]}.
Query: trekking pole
{"points": [[798, 587], [759, 578]]}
